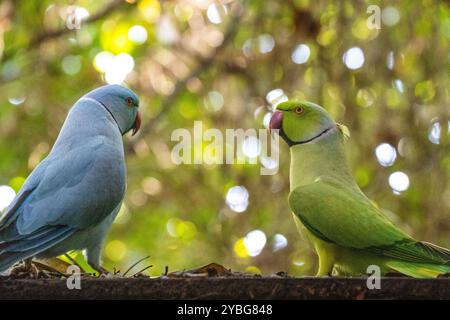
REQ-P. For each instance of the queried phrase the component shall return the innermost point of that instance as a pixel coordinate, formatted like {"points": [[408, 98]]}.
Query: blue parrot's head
{"points": [[122, 104]]}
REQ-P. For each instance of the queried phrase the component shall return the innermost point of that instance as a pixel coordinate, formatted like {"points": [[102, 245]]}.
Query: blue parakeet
{"points": [[71, 198]]}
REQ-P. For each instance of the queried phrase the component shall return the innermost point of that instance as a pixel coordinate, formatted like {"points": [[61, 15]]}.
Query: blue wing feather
{"points": [[90, 188]]}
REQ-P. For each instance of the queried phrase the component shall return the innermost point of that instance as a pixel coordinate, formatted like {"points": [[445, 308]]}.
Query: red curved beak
{"points": [[137, 124], [276, 120]]}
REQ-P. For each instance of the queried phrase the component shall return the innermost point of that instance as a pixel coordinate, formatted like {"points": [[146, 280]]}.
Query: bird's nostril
{"points": [[276, 120]]}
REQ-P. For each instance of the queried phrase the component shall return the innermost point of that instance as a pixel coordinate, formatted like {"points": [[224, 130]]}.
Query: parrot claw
{"points": [[33, 269], [102, 272], [24, 269]]}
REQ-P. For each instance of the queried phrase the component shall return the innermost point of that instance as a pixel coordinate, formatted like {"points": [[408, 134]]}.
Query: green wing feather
{"points": [[343, 215]]}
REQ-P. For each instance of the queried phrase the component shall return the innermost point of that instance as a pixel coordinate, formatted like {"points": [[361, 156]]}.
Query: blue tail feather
{"points": [[31, 245]]}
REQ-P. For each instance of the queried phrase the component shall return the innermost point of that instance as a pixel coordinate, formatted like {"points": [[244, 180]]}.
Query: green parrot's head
{"points": [[301, 122]]}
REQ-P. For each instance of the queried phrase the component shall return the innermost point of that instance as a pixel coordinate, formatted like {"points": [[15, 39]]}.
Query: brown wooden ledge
{"points": [[226, 288]]}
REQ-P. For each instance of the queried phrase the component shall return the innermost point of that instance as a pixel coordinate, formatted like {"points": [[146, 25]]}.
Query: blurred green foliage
{"points": [[199, 52]]}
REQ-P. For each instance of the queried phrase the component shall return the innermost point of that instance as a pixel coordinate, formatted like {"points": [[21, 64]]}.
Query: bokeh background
{"points": [[228, 63]]}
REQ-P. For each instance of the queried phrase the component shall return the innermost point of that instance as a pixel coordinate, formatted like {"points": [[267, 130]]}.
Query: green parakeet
{"points": [[348, 232]]}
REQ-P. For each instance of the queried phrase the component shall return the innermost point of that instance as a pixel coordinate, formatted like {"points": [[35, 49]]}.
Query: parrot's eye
{"points": [[298, 110], [129, 101]]}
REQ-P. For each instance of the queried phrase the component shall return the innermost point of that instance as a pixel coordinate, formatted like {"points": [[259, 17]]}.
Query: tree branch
{"points": [[53, 34], [111, 7], [203, 64]]}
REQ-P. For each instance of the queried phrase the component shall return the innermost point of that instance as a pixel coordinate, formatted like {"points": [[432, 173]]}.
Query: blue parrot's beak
{"points": [[137, 124]]}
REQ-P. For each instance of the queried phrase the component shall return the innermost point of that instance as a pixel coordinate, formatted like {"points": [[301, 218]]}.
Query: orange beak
{"points": [[137, 124]]}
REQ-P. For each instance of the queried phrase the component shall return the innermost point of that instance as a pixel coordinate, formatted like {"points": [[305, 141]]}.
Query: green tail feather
{"points": [[419, 270]]}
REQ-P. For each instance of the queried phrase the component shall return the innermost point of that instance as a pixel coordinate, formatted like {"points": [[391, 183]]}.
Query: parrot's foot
{"points": [[24, 270], [29, 269], [102, 272]]}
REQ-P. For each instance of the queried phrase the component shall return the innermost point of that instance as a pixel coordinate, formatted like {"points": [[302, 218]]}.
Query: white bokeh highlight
{"points": [[216, 13], [399, 181], [266, 119], [16, 101], [398, 84], [81, 13], [137, 34], [275, 97], [268, 162], [122, 66], [353, 58], [7, 195], [386, 154], [279, 242], [237, 198], [266, 43], [115, 68], [254, 242], [390, 60], [390, 16], [214, 101], [251, 147], [435, 133], [301, 54], [166, 30]]}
